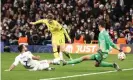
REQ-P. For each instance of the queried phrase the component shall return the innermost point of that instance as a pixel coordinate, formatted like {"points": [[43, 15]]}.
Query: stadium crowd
{"points": [[79, 17]]}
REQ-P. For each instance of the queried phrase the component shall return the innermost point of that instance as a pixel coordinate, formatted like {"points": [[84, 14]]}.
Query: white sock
{"points": [[61, 55]]}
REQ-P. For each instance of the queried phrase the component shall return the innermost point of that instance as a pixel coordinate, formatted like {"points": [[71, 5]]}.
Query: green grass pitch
{"points": [[20, 73]]}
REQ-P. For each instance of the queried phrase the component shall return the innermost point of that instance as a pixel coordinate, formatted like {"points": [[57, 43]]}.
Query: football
{"points": [[121, 56]]}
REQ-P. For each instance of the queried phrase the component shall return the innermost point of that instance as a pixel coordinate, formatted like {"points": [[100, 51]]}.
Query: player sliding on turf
{"points": [[58, 38], [105, 43], [29, 61]]}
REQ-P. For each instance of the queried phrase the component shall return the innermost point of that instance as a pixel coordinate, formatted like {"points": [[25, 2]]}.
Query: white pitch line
{"points": [[84, 74]]}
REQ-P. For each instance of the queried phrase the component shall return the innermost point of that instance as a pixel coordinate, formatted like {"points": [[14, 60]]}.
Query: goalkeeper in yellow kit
{"points": [[58, 36]]}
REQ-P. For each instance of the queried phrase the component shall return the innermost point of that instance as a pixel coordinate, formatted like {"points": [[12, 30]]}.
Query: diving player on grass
{"points": [[58, 38], [104, 43], [29, 61]]}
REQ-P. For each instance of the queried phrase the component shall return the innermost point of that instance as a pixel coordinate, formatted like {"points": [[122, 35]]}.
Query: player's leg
{"points": [[55, 51], [62, 48], [100, 63], [99, 57], [103, 64], [61, 55], [96, 57], [79, 60], [45, 65], [62, 51], [35, 68], [107, 64], [56, 54], [55, 43]]}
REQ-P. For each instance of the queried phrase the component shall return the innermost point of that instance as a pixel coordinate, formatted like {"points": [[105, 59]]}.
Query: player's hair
{"points": [[50, 16], [102, 23], [20, 47]]}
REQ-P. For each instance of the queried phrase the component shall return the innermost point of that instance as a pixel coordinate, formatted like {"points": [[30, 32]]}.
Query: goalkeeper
{"points": [[105, 43], [58, 36]]}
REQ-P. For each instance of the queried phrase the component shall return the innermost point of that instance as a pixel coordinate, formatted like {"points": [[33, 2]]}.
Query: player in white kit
{"points": [[29, 61]]}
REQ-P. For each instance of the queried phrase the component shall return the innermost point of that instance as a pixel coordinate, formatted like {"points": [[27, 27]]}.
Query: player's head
{"points": [[101, 25], [22, 48], [50, 17]]}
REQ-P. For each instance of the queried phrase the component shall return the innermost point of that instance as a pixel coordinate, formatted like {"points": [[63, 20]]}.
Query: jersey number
{"points": [[26, 63]]}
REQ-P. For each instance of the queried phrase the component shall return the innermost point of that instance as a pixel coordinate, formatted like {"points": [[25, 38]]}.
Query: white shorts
{"points": [[41, 65]]}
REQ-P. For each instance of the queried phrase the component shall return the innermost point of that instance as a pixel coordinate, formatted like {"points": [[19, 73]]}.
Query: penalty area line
{"points": [[56, 78]]}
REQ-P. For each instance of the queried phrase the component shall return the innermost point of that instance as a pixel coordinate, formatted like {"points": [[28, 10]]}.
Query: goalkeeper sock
{"points": [[75, 61], [105, 64]]}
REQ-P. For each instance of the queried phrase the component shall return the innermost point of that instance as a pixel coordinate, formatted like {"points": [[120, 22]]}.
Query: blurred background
{"points": [[78, 17]]}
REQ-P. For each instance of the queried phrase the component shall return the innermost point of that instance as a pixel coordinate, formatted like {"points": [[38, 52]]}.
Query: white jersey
{"points": [[26, 60]]}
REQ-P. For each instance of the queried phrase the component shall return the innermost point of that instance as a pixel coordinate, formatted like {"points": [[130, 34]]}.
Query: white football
{"points": [[121, 56]]}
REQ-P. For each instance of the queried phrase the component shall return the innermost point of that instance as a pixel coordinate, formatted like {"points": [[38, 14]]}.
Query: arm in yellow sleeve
{"points": [[66, 34], [39, 21]]}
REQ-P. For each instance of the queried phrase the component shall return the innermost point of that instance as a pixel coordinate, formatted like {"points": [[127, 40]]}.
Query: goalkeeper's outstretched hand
{"points": [[122, 51]]}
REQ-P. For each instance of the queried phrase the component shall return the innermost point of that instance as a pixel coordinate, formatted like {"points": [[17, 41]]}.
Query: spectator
{"points": [[78, 15], [23, 39], [87, 37], [79, 39], [122, 39]]}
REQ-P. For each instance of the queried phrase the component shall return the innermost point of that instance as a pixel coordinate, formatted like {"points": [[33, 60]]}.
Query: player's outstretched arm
{"points": [[108, 39], [31, 56], [15, 63], [11, 67], [66, 34], [36, 57], [37, 22]]}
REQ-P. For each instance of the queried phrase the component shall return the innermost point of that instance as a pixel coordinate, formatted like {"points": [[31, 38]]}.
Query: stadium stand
{"points": [[77, 16]]}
